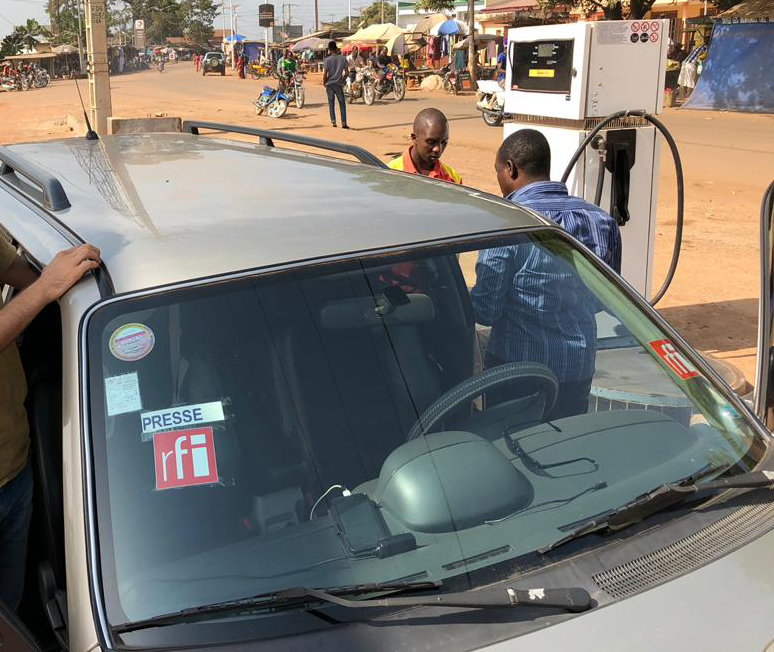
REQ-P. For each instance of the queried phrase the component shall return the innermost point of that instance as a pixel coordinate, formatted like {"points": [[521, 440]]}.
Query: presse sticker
{"points": [[132, 342]]}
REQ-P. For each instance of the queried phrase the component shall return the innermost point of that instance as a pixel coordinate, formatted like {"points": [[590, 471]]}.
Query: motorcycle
{"points": [[393, 83], [258, 70], [451, 83], [161, 66], [40, 78], [294, 89], [353, 88], [490, 100], [273, 101]]}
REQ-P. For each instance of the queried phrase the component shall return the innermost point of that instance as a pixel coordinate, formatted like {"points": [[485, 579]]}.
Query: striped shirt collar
{"points": [[538, 189]]}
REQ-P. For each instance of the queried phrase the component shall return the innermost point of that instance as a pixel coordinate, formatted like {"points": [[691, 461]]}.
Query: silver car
{"points": [[274, 419]]}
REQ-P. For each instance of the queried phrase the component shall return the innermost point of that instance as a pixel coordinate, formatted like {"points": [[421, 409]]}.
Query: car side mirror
{"points": [[763, 398]]}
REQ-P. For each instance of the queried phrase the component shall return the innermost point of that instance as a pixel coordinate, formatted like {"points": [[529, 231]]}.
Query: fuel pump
{"points": [[593, 90]]}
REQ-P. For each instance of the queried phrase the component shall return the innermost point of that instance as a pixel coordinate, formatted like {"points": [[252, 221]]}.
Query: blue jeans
{"points": [[336, 91], [15, 514]]}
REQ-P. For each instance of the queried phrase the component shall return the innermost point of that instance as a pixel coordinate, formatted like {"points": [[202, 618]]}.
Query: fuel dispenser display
{"points": [[568, 80]]}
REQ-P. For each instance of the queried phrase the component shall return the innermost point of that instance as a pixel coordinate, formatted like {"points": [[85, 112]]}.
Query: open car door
{"points": [[14, 635], [764, 381]]}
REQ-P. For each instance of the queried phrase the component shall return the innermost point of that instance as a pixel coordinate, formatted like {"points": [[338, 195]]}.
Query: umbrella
{"points": [[426, 23], [311, 43], [480, 38], [402, 44], [236, 38], [65, 49], [449, 27]]}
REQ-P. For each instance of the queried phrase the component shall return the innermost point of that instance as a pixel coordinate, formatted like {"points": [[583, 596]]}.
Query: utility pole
{"points": [[80, 40], [231, 25], [472, 45], [382, 7], [316, 21], [349, 15], [100, 106]]}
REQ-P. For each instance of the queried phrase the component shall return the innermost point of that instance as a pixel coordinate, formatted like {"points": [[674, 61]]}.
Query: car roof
{"points": [[167, 208]]}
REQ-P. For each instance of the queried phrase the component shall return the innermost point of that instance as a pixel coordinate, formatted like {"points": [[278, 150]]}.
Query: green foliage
{"points": [[198, 16], [11, 44], [436, 6], [370, 15], [613, 9], [63, 16]]}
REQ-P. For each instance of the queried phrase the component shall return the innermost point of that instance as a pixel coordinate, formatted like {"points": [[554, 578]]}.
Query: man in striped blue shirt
{"points": [[538, 308]]}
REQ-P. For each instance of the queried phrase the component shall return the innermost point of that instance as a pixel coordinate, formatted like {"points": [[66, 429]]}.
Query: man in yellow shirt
{"points": [[429, 139], [65, 270]]}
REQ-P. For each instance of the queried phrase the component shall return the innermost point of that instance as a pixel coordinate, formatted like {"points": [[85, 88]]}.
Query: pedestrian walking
{"points": [[197, 62], [241, 63], [335, 71]]}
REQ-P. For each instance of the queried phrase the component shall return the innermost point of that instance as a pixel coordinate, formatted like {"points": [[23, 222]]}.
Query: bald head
{"points": [[430, 136], [427, 118]]}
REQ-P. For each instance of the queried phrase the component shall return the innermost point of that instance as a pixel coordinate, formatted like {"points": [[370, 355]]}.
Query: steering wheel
{"points": [[540, 377]]}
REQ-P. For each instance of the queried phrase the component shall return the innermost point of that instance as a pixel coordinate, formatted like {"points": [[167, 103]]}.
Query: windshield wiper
{"points": [[573, 599], [664, 497]]}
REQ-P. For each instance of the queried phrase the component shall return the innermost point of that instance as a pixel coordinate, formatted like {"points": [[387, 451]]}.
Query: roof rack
{"points": [[37, 184], [267, 137], [46, 192]]}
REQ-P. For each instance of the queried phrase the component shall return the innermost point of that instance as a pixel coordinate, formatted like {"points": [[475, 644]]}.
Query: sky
{"points": [[15, 12]]}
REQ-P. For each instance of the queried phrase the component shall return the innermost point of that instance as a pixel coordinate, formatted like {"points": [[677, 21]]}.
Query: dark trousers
{"points": [[336, 92], [15, 514], [571, 399]]}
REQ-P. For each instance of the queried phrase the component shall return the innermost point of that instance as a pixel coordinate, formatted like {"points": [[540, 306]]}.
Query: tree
{"points": [[612, 9], [435, 6], [198, 16], [30, 32], [11, 44], [63, 15]]}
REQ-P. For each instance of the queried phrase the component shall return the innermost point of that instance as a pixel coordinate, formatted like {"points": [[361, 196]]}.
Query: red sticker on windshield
{"points": [[184, 458], [674, 359]]}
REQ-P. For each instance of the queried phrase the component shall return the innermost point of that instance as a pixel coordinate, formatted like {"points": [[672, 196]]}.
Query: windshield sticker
{"points": [[185, 415], [122, 394], [675, 360], [184, 458], [132, 342]]}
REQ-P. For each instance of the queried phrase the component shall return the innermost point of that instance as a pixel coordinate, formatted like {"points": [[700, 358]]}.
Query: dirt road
{"points": [[728, 161]]}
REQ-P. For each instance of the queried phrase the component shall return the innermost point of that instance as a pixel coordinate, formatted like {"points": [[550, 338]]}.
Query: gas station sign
{"points": [[266, 15]]}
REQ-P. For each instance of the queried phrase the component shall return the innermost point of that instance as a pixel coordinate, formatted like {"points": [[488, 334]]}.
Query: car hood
{"points": [[724, 605]]}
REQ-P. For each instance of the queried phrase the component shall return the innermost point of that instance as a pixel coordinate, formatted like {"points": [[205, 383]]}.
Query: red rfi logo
{"points": [[674, 359], [184, 458]]}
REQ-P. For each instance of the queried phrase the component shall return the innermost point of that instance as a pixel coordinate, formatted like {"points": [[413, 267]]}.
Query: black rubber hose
{"points": [[600, 183], [680, 184], [680, 207]]}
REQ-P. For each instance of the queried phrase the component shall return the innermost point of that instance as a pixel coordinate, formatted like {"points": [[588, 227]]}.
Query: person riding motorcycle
{"points": [[355, 61], [381, 62], [287, 66]]}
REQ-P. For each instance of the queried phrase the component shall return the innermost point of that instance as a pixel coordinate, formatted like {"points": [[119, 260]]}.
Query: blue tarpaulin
{"points": [[738, 74]]}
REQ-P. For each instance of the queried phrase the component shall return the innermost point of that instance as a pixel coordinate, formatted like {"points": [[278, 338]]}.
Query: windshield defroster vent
{"points": [[704, 546]]}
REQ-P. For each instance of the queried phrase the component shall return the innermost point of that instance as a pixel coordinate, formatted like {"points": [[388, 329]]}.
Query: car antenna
{"points": [[90, 133]]}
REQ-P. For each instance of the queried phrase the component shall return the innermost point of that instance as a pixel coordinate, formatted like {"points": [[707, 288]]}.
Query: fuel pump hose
{"points": [[678, 173]]}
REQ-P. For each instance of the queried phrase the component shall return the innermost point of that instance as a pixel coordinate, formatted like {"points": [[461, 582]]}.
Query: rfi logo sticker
{"points": [[184, 458], [674, 359]]}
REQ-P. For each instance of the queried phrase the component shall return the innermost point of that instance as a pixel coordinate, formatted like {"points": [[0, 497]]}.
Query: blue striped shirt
{"points": [[538, 308]]}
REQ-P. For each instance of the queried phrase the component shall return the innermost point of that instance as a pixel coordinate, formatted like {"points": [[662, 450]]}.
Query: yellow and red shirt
{"points": [[440, 171]]}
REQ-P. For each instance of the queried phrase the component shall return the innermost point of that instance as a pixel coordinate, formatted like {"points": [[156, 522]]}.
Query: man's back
{"points": [[335, 69], [586, 222]]}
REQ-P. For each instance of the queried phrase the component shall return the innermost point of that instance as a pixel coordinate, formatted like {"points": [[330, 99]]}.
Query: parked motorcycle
{"points": [[262, 69], [451, 82], [490, 100], [273, 101], [394, 83], [40, 78]]}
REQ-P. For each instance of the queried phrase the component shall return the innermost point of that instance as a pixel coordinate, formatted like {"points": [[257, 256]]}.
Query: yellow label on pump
{"points": [[541, 72]]}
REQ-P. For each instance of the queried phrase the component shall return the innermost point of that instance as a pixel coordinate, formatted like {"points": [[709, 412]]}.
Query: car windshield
{"points": [[412, 416]]}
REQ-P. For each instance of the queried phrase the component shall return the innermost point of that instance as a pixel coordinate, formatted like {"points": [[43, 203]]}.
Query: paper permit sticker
{"points": [[122, 394], [184, 458], [675, 360], [132, 342], [185, 415]]}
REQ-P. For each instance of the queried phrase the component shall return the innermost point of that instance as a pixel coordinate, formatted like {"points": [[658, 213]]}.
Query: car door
{"points": [[14, 635]]}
